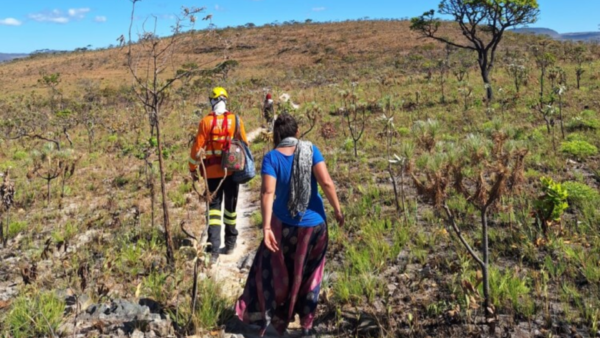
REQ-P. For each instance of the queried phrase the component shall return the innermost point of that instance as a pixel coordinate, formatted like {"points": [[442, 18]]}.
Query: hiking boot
{"points": [[229, 249], [214, 258]]}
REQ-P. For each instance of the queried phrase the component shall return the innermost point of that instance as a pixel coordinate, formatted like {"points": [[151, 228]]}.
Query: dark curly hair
{"points": [[285, 126]]}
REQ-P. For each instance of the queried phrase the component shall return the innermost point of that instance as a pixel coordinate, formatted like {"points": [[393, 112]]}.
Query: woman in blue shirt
{"points": [[285, 278]]}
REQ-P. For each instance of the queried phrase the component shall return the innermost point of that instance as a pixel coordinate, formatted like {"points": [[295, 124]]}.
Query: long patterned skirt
{"points": [[286, 282]]}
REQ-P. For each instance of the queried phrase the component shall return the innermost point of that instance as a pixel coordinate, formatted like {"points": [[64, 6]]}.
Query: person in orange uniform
{"points": [[214, 135]]}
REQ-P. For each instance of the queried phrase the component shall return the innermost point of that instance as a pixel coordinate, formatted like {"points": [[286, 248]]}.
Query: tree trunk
{"points": [[167, 226], [5, 234], [488, 85], [542, 84], [485, 267], [562, 127], [62, 191], [485, 74], [391, 171], [48, 201], [2, 233]]}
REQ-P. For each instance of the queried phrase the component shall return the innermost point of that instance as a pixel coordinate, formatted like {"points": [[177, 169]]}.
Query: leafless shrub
{"points": [[7, 198], [480, 171]]}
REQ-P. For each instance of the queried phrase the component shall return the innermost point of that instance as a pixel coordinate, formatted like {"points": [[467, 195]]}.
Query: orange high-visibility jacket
{"points": [[212, 136]]}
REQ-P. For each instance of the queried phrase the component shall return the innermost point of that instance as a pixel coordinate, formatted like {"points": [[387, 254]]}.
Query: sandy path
{"points": [[226, 270]]}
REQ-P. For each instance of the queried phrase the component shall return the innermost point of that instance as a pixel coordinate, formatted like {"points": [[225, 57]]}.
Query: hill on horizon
{"points": [[575, 36], [11, 56]]}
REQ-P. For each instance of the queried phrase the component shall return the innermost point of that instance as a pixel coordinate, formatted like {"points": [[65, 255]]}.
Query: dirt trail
{"points": [[227, 270]]}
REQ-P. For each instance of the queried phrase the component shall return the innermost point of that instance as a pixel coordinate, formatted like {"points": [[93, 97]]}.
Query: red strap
{"points": [[224, 132]]}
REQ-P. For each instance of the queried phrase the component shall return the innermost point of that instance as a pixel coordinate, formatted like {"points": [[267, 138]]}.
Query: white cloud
{"points": [[100, 18], [318, 9], [49, 17], [78, 13], [10, 22], [219, 8], [57, 16]]}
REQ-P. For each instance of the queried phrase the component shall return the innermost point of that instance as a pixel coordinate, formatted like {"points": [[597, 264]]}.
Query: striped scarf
{"points": [[300, 179]]}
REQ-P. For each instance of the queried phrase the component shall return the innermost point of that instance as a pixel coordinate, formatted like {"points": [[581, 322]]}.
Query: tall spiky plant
{"points": [[7, 197], [480, 171]]}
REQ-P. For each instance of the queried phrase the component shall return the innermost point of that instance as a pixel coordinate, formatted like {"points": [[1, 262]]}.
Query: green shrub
{"points": [[7, 164], [36, 316], [155, 286], [348, 144], [20, 155], [586, 120], [532, 174], [538, 135], [403, 131], [576, 137], [579, 149], [507, 289], [553, 202], [580, 194], [177, 197], [213, 309], [16, 227]]}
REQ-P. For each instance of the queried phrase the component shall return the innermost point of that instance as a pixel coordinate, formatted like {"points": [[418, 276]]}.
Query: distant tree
{"points": [[51, 81], [544, 58], [225, 67], [356, 117], [579, 54], [461, 62], [516, 67], [482, 22]]}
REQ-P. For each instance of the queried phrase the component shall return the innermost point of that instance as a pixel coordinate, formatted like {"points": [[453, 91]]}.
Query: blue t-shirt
{"points": [[279, 166]]}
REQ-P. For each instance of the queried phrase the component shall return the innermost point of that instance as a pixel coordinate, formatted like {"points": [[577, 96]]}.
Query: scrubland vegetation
{"points": [[425, 165]]}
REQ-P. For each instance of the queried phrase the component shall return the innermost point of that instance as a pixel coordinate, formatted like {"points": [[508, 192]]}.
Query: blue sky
{"points": [[29, 25]]}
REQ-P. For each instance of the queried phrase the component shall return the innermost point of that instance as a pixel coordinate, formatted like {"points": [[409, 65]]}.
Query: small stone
{"points": [[426, 272], [379, 306], [137, 334], [392, 287]]}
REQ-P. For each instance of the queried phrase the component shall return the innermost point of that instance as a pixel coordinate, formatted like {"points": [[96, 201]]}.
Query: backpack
{"points": [[248, 172], [236, 157], [233, 157]]}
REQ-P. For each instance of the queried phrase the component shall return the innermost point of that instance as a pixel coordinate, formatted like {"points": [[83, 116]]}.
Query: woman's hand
{"points": [[270, 241], [339, 217]]}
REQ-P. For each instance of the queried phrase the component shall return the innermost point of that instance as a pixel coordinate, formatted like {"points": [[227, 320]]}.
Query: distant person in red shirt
{"points": [[269, 111]]}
